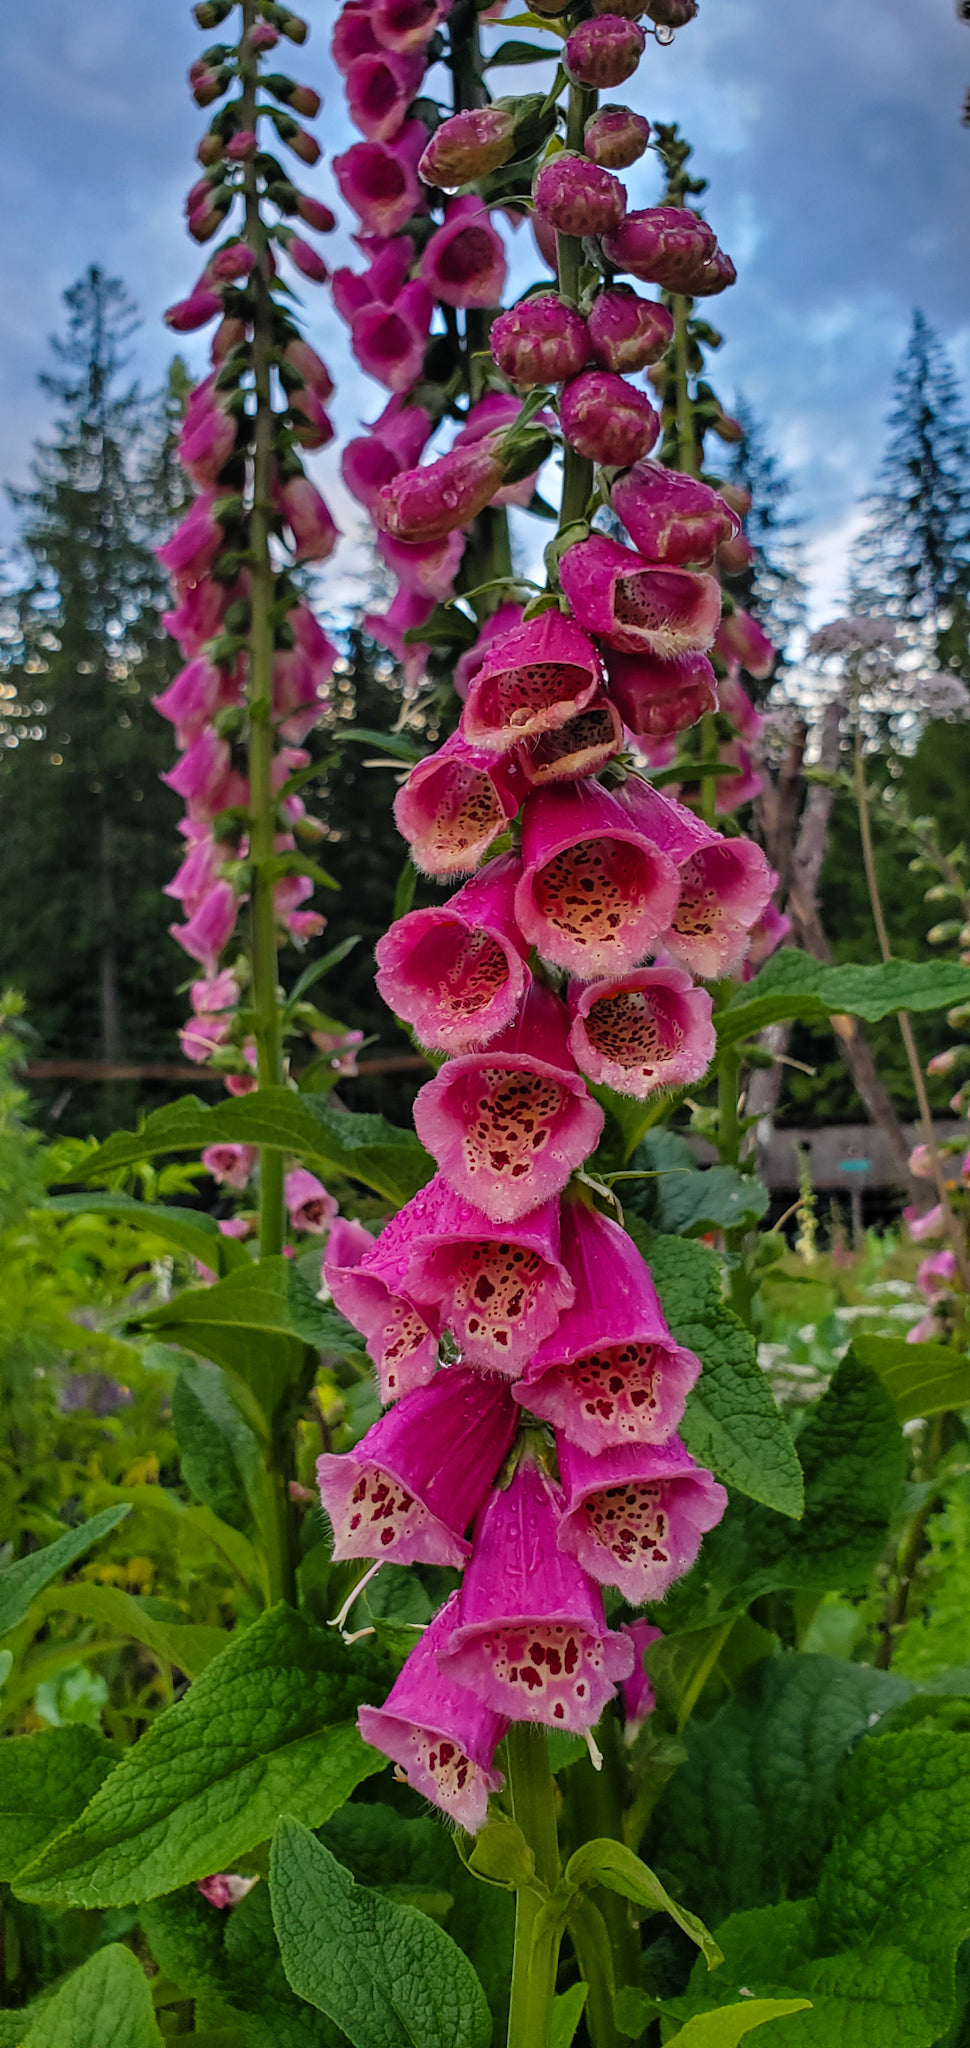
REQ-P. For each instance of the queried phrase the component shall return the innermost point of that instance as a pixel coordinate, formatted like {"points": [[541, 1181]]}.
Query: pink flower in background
{"points": [[309, 1205], [226, 1888], [636, 1692], [210, 927], [464, 263], [656, 698], [230, 1164]]}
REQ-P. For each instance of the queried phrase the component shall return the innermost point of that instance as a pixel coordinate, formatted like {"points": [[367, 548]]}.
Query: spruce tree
{"points": [[913, 558], [88, 833], [772, 587]]}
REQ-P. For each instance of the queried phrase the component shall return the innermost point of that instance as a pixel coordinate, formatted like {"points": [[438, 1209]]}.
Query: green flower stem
{"points": [[577, 476], [534, 1810], [594, 1803]]}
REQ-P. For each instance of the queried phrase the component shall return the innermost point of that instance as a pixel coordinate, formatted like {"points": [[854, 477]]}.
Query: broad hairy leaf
{"points": [[256, 1323], [230, 1964], [793, 984], [365, 1148], [45, 1781], [190, 1230], [218, 1451], [684, 1199], [107, 2003], [730, 1423], [922, 1379], [21, 1582], [187, 1645], [269, 1727], [388, 1975], [729, 2025]]}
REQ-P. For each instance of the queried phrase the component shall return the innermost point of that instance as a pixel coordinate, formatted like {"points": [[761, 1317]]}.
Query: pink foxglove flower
{"points": [[633, 605], [199, 614], [643, 1031], [768, 932], [407, 25], [468, 146], [671, 517], [540, 341], [578, 197], [205, 778], [193, 699], [309, 1205], [498, 1295], [636, 1692], [194, 545], [616, 137], [230, 1164], [611, 1372], [607, 419], [208, 435], [442, 1737], [309, 519], [504, 620], [201, 306], [380, 90], [408, 609], [635, 1514], [508, 1126], [409, 1489], [656, 698], [725, 884], [626, 332], [580, 747], [464, 263], [353, 36], [498, 409], [742, 784], [595, 892], [604, 52], [531, 681], [741, 643], [531, 1640], [426, 504], [389, 341], [380, 180], [299, 356], [458, 974], [365, 1276], [425, 567], [210, 927], [454, 804], [665, 245], [936, 1273], [225, 1888], [199, 870]]}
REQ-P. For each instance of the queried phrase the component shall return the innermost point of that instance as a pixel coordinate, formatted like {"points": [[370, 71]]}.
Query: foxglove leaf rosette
{"points": [[725, 884], [365, 1277], [611, 1372], [633, 605], [464, 263], [671, 517], [498, 1296], [580, 747], [454, 804], [531, 681], [626, 332], [656, 698], [508, 1126], [643, 1031], [665, 245], [440, 1734], [409, 1489], [635, 1514], [607, 419], [531, 1639], [595, 892], [458, 974]]}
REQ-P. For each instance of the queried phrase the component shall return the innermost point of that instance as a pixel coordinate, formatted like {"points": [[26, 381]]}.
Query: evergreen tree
{"points": [[88, 833], [913, 558], [772, 587]]}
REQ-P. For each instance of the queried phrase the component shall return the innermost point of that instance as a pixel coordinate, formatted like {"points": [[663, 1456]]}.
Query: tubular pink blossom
{"points": [[308, 260], [389, 341], [305, 361], [407, 25], [468, 664], [365, 1277], [498, 1295], [611, 1373], [464, 263], [595, 891], [380, 89], [309, 1205], [531, 681], [458, 974], [198, 872], [425, 567], [454, 804], [437, 1732], [626, 332], [740, 787], [725, 884], [380, 180], [671, 517], [508, 1126], [230, 1164], [929, 1223], [194, 545], [199, 614], [198, 692], [632, 605], [742, 642], [383, 280], [201, 306], [426, 504], [580, 747], [353, 35], [208, 435], [204, 777], [665, 245], [309, 519], [210, 927], [531, 1639], [636, 1692], [604, 52], [311, 427], [616, 137], [408, 609], [230, 264], [769, 932], [607, 419], [737, 706], [656, 698], [410, 1487], [642, 1031], [635, 1514], [578, 197], [540, 341], [468, 146], [499, 409]]}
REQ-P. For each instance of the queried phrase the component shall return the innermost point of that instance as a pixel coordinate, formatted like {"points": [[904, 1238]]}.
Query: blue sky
{"points": [[839, 181]]}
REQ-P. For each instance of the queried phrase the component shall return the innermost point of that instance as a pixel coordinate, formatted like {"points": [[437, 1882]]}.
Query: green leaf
{"points": [[219, 1453], [318, 968], [269, 1726], [256, 1323], [685, 1199], [407, 883], [730, 1423], [230, 1964], [861, 1998], [188, 1646], [567, 2011], [750, 1815], [190, 1230], [501, 1855], [107, 2003], [387, 1974], [388, 742], [198, 1532], [515, 52], [793, 985], [611, 1864], [365, 1148], [45, 1780], [922, 1379], [726, 2027], [21, 1582]]}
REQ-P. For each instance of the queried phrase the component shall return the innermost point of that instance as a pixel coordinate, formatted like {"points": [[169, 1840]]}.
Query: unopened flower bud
{"points": [[425, 504], [210, 85], [606, 419], [665, 245], [943, 1062], [316, 214], [540, 341], [578, 197], [262, 36], [616, 137], [669, 13], [197, 310], [627, 332], [307, 260], [671, 517], [468, 146], [211, 149], [717, 274], [301, 142], [737, 497], [242, 146], [735, 554], [207, 218], [210, 13], [230, 264], [295, 29], [603, 52]]}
